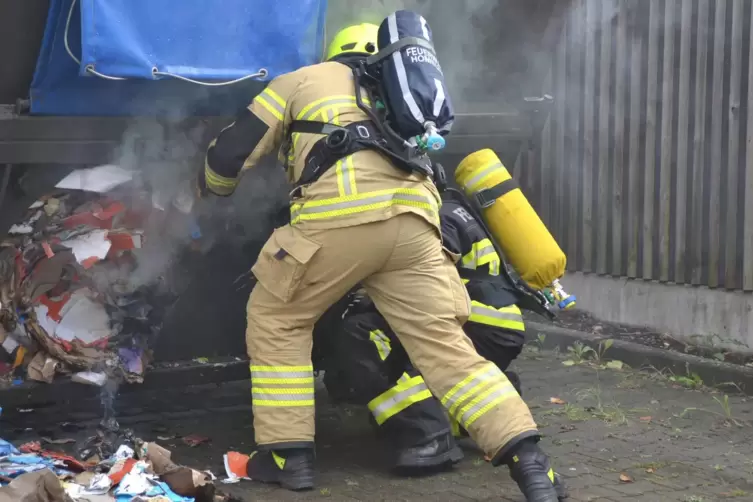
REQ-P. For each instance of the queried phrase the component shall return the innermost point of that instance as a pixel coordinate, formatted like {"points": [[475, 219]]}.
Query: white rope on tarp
{"points": [[262, 73]]}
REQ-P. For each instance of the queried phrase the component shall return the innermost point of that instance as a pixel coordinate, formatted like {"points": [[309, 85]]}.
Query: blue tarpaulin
{"points": [[221, 40]]}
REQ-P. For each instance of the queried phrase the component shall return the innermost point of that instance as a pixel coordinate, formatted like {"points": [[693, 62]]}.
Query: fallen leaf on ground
{"points": [[556, 400], [645, 419], [624, 478], [650, 470], [569, 362], [615, 365]]}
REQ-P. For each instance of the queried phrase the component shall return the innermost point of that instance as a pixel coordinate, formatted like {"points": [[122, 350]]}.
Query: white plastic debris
{"points": [[124, 452], [99, 179], [90, 378], [136, 482], [83, 319], [21, 229], [92, 245], [99, 485]]}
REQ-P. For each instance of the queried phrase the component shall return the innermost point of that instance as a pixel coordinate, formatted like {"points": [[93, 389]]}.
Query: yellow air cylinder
{"points": [[527, 244]]}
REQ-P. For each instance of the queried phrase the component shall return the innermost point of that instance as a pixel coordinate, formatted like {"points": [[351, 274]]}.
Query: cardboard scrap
{"points": [[42, 368], [40, 486], [182, 480]]}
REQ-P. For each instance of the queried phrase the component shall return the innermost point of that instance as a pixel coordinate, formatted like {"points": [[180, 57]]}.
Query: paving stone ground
{"points": [[675, 444]]}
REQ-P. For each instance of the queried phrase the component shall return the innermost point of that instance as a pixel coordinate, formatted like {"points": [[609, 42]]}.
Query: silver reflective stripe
{"points": [[496, 314], [362, 202], [475, 256], [493, 373], [402, 76], [346, 168], [281, 374], [505, 389], [383, 345], [472, 182], [260, 395], [271, 101], [397, 399], [439, 98], [486, 250], [295, 213], [494, 267]]}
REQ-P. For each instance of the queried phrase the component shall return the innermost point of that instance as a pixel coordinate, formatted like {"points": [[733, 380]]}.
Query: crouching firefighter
{"points": [[354, 132], [365, 362]]}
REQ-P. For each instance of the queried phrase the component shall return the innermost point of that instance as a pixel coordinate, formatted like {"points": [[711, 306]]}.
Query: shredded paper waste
{"points": [[111, 466], [68, 302]]}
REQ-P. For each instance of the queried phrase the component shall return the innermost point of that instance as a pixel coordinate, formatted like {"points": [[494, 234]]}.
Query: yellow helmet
{"points": [[358, 39]]}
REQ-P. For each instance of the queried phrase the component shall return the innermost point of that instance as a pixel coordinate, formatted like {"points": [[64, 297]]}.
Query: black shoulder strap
{"points": [[313, 127], [396, 46], [488, 196]]}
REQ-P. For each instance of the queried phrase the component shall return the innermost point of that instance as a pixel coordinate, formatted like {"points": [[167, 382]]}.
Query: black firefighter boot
{"points": [[437, 453], [530, 468], [292, 469]]}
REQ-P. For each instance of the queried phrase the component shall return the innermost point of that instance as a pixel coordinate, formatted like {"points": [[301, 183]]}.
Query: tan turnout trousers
{"points": [[302, 271]]}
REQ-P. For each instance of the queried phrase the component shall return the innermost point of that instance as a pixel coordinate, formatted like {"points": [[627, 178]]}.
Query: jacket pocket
{"points": [[283, 261]]}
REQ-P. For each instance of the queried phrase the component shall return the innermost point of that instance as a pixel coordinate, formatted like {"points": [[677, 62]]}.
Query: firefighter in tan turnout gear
{"points": [[363, 211]]}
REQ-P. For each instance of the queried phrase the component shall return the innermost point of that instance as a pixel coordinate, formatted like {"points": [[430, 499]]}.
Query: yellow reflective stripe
{"points": [[481, 253], [275, 97], [382, 343], [220, 185], [282, 404], [281, 369], [315, 107], [398, 398], [270, 108], [455, 427], [404, 378], [489, 403], [336, 115], [295, 385], [282, 390], [284, 380], [507, 317], [353, 204], [481, 175], [470, 385], [278, 460], [272, 102]]}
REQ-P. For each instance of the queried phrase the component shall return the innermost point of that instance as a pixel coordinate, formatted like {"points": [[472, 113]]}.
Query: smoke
{"points": [[487, 48], [166, 152]]}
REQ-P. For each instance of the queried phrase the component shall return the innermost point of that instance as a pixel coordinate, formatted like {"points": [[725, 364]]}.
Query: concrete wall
{"points": [[683, 311]]}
